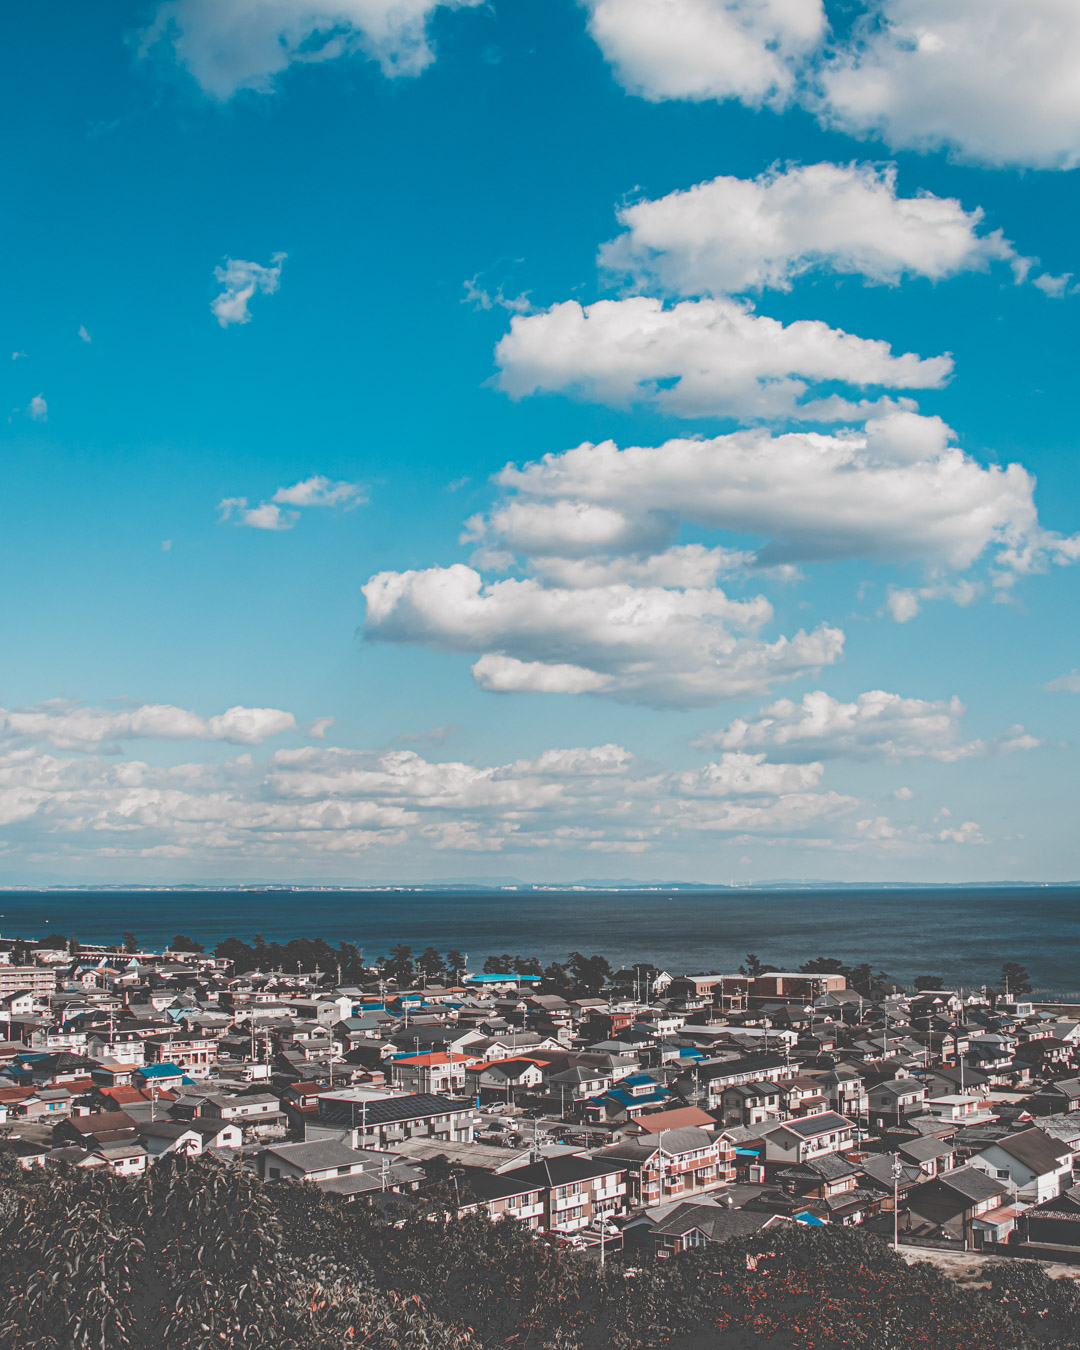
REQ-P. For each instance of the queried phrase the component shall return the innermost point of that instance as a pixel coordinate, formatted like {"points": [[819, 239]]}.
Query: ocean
{"points": [[963, 935]]}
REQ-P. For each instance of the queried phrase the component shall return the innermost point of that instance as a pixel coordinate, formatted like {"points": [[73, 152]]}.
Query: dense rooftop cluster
{"points": [[634, 1114]]}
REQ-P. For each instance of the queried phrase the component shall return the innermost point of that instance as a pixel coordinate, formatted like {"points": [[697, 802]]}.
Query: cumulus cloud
{"points": [[993, 80], [1068, 684], [643, 644], [277, 513], [897, 491], [229, 45], [266, 516], [37, 409], [700, 358], [876, 725], [309, 805], [706, 49], [313, 801], [320, 491], [71, 726], [905, 602], [241, 280], [737, 234]]}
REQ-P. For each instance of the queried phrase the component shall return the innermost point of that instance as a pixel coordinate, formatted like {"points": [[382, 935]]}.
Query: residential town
{"points": [[638, 1110]]}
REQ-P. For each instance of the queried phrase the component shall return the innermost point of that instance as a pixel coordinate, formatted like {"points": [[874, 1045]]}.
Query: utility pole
{"points": [[897, 1173]]}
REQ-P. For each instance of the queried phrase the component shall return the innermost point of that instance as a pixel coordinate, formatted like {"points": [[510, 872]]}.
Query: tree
{"points": [[430, 963], [74, 946], [1014, 979], [929, 982], [55, 942], [499, 965], [351, 961], [557, 979], [456, 964], [590, 973], [399, 964], [754, 966], [186, 944], [825, 965], [131, 943], [527, 965]]}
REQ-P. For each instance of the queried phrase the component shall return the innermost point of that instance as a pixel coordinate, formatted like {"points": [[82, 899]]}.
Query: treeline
{"points": [[199, 1254], [578, 974]]}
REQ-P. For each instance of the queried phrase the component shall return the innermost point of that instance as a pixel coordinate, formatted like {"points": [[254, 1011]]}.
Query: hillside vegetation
{"points": [[200, 1255]]}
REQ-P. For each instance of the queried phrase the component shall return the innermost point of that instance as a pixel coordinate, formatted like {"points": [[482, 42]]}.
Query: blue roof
{"points": [[503, 979], [165, 1070], [628, 1099], [804, 1216]]}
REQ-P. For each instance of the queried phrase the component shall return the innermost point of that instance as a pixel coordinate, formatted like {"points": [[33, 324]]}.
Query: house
{"points": [[503, 1195], [833, 1184], [435, 1071], [1054, 1098], [672, 1165], [379, 1118], [1032, 1165], [750, 1103], [797, 1141], [1056, 1221], [499, 1079], [892, 1101], [671, 1118], [952, 1204], [575, 1191], [315, 1161], [929, 1154], [959, 1109], [161, 1075], [124, 1158], [693, 1224], [159, 1137], [633, 1096]]}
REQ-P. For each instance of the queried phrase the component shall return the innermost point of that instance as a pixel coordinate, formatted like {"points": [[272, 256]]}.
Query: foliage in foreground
{"points": [[198, 1255]]}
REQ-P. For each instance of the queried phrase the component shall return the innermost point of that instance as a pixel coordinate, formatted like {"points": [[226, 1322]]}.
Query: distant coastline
{"points": [[562, 888]]}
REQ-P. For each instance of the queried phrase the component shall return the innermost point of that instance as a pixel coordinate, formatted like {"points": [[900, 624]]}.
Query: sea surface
{"points": [[961, 934]]}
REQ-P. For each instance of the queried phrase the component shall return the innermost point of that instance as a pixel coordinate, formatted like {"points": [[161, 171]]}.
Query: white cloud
{"points": [[699, 358], [876, 725], [228, 45], [706, 49], [903, 794], [687, 565], [904, 602], [1054, 287], [320, 491], [736, 234], [897, 491], [84, 336], [70, 726], [307, 806], [967, 833], [993, 80], [309, 492], [266, 516], [241, 280], [642, 644], [1068, 684], [37, 409]]}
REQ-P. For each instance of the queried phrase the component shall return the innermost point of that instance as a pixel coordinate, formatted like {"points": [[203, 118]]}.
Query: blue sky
{"points": [[780, 291]]}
